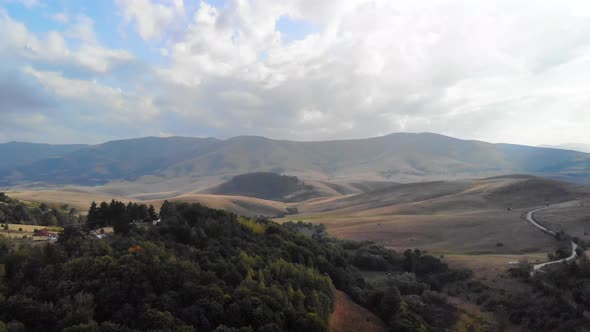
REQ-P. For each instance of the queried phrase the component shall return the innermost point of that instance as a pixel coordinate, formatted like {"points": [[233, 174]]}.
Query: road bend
{"points": [[530, 217]]}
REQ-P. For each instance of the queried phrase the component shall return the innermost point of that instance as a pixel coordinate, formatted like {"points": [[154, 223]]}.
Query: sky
{"points": [[92, 71]]}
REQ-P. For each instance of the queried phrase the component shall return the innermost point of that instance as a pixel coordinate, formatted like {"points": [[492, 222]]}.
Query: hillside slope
{"points": [[464, 195], [399, 157], [467, 216], [16, 154], [265, 185]]}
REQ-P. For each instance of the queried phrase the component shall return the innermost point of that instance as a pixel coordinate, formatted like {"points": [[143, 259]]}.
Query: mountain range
{"points": [[570, 146], [400, 157]]}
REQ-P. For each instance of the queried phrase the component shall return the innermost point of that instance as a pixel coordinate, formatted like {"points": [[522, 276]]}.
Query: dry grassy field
{"points": [[78, 199], [461, 217], [81, 200], [454, 217], [490, 231], [247, 206], [492, 269], [350, 317], [18, 231], [571, 217]]}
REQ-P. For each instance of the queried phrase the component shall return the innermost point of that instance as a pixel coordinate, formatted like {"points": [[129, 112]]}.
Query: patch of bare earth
{"points": [[351, 317]]}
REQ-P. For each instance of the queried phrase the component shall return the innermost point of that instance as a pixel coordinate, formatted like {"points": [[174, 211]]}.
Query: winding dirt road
{"points": [[530, 217]]}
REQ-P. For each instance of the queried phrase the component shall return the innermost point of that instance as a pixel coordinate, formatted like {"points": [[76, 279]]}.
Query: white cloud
{"points": [[52, 47], [455, 67], [121, 106], [54, 90], [498, 71], [82, 29], [61, 17], [151, 18]]}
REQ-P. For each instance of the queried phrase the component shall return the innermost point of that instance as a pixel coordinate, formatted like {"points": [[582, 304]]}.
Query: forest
{"points": [[13, 211], [202, 269]]}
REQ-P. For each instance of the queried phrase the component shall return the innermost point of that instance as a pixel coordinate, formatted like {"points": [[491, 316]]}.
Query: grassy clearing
{"points": [[19, 231], [471, 319], [32, 228], [252, 224]]}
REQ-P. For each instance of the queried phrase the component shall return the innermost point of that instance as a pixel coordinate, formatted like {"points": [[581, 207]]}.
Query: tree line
{"points": [[118, 215], [13, 211]]}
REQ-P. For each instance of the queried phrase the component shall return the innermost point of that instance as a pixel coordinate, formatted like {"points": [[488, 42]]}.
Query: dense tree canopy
{"points": [[203, 269], [13, 211], [119, 215]]}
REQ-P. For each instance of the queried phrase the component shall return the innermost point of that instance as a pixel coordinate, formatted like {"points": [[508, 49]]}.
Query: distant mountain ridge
{"points": [[401, 157], [14, 154], [570, 146]]}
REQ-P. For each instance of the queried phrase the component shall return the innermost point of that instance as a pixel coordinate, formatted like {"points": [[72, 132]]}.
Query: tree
{"points": [[143, 213], [390, 303], [103, 215], [73, 211], [44, 207], [119, 218], [48, 219], [168, 210], [132, 211], [152, 213]]}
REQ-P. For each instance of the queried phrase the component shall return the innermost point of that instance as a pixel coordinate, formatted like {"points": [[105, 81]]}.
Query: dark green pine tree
{"points": [[92, 218]]}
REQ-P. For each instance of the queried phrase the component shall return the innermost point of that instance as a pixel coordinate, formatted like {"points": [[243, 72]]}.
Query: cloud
{"points": [[455, 67], [151, 18], [15, 88], [82, 29], [61, 17], [53, 91], [497, 71]]}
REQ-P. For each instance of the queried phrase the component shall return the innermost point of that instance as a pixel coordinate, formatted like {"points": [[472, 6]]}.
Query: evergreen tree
{"points": [[92, 219], [152, 213]]}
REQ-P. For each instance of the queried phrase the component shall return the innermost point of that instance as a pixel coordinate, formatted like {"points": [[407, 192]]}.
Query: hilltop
{"points": [[267, 186], [187, 164]]}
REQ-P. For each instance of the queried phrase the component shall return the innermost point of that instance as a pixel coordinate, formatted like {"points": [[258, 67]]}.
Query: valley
{"points": [[479, 217], [469, 216]]}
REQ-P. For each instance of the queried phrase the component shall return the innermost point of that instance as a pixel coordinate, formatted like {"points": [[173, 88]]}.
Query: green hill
{"points": [[269, 186]]}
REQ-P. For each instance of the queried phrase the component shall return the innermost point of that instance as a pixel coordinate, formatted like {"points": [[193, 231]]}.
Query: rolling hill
{"points": [[267, 186], [398, 157], [516, 191], [445, 216]]}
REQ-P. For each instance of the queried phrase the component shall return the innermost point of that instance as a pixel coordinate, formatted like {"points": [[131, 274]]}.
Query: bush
{"points": [[15, 326]]}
